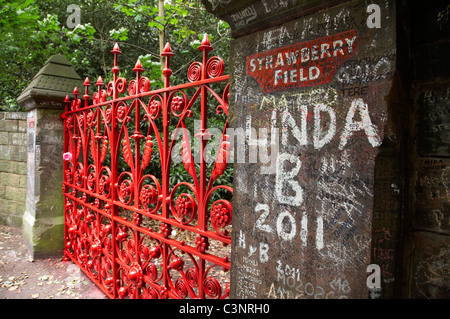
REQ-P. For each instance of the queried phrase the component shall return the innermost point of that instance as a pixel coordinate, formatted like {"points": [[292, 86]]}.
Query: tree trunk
{"points": [[162, 36]]}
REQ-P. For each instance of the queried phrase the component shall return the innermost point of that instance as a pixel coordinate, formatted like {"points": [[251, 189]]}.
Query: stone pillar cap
{"points": [[50, 85]]}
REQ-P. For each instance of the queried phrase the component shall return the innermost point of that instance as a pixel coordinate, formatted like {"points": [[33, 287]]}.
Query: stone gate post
{"points": [[43, 220]]}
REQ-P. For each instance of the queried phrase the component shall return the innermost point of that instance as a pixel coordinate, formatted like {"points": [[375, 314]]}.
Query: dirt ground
{"points": [[50, 278]]}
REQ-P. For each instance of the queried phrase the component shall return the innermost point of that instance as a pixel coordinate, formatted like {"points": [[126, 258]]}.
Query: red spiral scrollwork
{"points": [[195, 72], [99, 97], [180, 288], [142, 86], [212, 287], [191, 277], [104, 183], [68, 122], [215, 67]]}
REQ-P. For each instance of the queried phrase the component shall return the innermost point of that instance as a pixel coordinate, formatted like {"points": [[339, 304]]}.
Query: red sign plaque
{"points": [[303, 64]]}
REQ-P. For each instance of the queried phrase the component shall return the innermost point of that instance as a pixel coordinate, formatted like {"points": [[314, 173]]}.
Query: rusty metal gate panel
{"points": [[130, 225]]}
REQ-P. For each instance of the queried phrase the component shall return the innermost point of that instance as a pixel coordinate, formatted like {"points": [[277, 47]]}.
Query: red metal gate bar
{"points": [[122, 221]]}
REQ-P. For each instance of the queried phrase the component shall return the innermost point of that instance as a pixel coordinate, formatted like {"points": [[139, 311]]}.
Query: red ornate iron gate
{"points": [[124, 216]]}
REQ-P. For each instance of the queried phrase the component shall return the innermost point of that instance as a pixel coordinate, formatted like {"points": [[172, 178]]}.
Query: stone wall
{"points": [[13, 167]]}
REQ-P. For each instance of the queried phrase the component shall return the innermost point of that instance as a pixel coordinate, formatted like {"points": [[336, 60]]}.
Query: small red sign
{"points": [[31, 121], [303, 64]]}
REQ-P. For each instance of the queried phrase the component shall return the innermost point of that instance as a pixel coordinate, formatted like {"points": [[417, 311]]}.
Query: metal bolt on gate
{"points": [[123, 216]]}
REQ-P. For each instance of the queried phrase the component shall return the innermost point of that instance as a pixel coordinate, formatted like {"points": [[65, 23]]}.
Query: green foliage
{"points": [[33, 30], [121, 34], [23, 38]]}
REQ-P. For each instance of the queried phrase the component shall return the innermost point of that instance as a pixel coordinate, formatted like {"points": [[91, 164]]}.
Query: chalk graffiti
{"points": [[365, 70], [285, 181], [315, 139], [286, 225], [244, 16], [366, 124], [216, 3], [357, 120]]}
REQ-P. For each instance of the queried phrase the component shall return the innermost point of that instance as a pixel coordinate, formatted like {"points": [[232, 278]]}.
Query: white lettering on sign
{"points": [[309, 63]]}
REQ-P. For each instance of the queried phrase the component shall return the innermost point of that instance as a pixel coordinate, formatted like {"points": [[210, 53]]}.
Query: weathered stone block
{"points": [[5, 152], [23, 181], [5, 166], [8, 125], [4, 178], [18, 153], [18, 167], [50, 85], [18, 138], [13, 115], [13, 179], [16, 194], [4, 138], [429, 266], [22, 126], [2, 193], [43, 237], [9, 218], [433, 121], [43, 217], [432, 203]]}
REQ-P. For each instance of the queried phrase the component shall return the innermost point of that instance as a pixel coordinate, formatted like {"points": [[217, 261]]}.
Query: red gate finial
{"points": [[167, 72], [205, 45], [116, 51], [86, 85], [138, 66]]}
